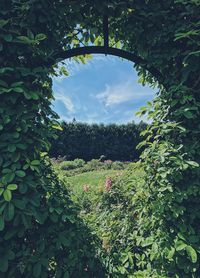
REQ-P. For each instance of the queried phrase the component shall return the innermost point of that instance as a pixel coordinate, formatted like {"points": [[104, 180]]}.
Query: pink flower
{"points": [[108, 161], [108, 184], [86, 187]]}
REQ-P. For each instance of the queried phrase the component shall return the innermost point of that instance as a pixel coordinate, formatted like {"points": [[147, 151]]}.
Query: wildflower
{"points": [[86, 187], [108, 184], [108, 161]]}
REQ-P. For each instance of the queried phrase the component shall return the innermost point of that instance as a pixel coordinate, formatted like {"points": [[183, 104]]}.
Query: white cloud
{"points": [[66, 101], [123, 92]]}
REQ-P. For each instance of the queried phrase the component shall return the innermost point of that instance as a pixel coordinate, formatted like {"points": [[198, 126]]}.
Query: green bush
{"points": [[79, 166], [94, 164], [79, 163], [70, 165], [118, 165], [67, 165]]}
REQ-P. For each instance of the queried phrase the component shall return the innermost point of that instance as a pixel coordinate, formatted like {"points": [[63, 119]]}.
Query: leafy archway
{"points": [[38, 227]]}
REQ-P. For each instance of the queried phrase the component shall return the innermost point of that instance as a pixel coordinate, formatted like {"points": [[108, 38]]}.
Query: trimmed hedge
{"points": [[85, 141]]}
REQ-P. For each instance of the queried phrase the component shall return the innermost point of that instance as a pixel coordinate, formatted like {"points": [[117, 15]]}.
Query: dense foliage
{"points": [[112, 214], [40, 233], [165, 37], [78, 166], [115, 142]]}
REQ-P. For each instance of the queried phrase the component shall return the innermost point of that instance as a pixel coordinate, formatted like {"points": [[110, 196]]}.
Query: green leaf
{"points": [[18, 89], [58, 127], [66, 275], [40, 37], [30, 34], [22, 146], [148, 241], [7, 195], [23, 188], [15, 157], [19, 204], [10, 234], [24, 39], [1, 191], [8, 178], [12, 148], [10, 255], [191, 253], [8, 37], [5, 69], [194, 238], [17, 84], [171, 253], [180, 245], [37, 270], [193, 164], [26, 166], [10, 212], [6, 171], [4, 265], [2, 207], [12, 187], [2, 223], [3, 22], [35, 162], [20, 173]]}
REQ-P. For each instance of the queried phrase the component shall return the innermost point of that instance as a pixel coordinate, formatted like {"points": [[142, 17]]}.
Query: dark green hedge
{"points": [[81, 140]]}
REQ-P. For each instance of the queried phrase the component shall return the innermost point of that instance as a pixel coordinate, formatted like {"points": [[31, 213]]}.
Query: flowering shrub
{"points": [[86, 187], [108, 184], [109, 162], [114, 216]]}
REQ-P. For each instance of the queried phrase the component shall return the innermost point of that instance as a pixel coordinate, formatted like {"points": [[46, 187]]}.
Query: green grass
{"points": [[95, 180]]}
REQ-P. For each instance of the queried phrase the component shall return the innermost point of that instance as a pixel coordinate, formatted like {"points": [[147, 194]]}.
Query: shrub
{"points": [[79, 163], [67, 165], [70, 165], [118, 165], [108, 163], [94, 164]]}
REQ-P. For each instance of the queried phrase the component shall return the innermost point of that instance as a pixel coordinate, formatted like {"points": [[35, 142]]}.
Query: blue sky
{"points": [[105, 90]]}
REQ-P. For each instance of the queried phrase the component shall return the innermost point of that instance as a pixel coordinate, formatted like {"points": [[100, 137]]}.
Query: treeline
{"points": [[90, 141]]}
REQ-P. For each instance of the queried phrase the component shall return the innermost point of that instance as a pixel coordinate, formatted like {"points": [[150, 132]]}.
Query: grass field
{"points": [[94, 179]]}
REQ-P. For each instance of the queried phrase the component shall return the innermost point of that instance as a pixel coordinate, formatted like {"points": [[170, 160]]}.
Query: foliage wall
{"points": [[165, 37], [40, 233], [115, 142]]}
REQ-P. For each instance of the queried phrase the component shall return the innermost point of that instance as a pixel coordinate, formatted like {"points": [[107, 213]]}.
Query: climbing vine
{"points": [[41, 235]]}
